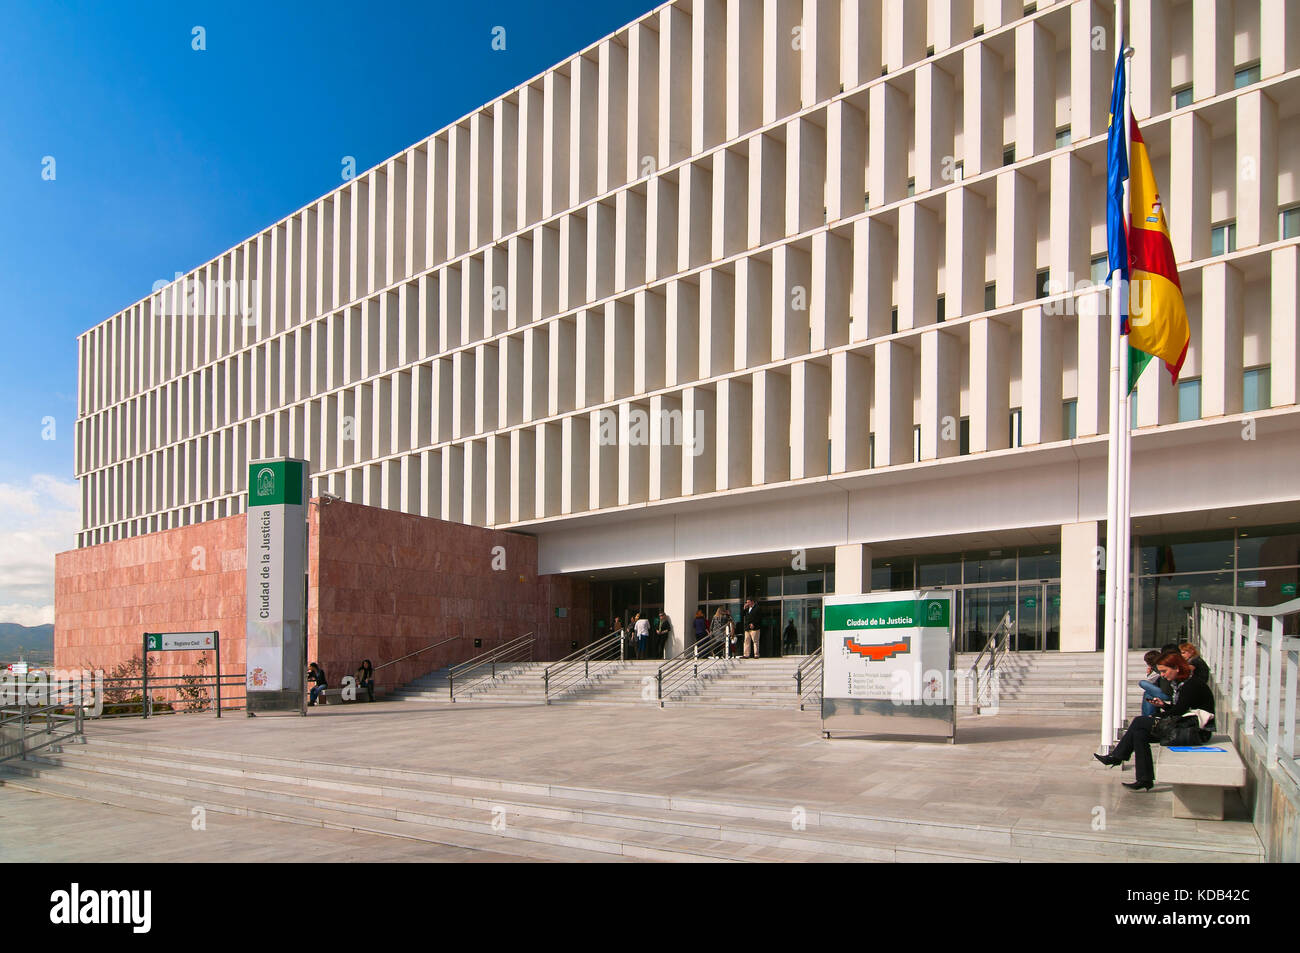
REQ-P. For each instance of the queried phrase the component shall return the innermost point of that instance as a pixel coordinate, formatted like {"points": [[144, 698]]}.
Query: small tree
{"points": [[192, 694]]}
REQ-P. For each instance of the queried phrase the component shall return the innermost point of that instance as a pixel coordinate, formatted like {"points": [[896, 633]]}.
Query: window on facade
{"points": [[1015, 422], [1133, 412], [1070, 419], [1288, 222], [893, 320], [1063, 136], [916, 442], [1008, 154], [871, 450], [911, 186], [958, 170], [939, 309], [1183, 96], [1223, 238], [963, 436], [1246, 75], [990, 296], [1189, 400], [978, 31], [1100, 269], [929, 51], [1255, 389], [1040, 282]]}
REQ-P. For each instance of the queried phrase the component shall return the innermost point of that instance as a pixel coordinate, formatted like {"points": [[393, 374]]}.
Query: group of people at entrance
{"points": [[1177, 710], [643, 639], [723, 627]]}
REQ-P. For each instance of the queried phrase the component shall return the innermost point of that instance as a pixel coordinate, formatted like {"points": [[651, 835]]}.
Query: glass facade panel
{"points": [[1189, 400], [1267, 587], [997, 565], [1038, 564], [803, 583], [1268, 546], [1185, 552], [1161, 605], [892, 574], [935, 571], [1255, 384]]}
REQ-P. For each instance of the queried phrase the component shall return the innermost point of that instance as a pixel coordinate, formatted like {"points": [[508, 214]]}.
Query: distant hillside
{"points": [[32, 638]]}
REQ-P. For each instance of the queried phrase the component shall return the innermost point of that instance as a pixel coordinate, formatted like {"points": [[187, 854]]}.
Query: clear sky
{"points": [[127, 155]]}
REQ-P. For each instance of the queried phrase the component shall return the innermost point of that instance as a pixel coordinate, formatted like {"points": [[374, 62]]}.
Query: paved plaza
{"points": [[1014, 775]]}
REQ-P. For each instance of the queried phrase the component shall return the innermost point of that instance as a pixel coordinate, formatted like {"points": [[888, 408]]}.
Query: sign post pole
{"points": [[216, 638], [144, 670]]}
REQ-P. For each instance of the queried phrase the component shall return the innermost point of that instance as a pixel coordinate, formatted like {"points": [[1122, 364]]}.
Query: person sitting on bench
{"points": [[366, 678], [1154, 687], [316, 675]]}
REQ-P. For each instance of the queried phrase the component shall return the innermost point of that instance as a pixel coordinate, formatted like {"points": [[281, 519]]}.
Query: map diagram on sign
{"points": [[878, 653]]}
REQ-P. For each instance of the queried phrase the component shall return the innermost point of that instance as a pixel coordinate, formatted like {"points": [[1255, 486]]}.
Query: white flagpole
{"points": [[1125, 555], [1110, 591]]}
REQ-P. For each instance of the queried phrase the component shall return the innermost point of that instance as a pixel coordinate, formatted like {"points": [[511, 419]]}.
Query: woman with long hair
{"points": [[1190, 693]]}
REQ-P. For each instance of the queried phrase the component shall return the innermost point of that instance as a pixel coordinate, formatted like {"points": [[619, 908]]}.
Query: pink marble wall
{"points": [[381, 584]]}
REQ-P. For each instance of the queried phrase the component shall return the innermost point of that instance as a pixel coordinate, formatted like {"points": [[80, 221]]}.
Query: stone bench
{"points": [[1200, 778], [359, 695]]}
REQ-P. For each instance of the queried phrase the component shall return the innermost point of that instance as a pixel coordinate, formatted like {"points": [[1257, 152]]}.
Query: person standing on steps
{"points": [[662, 634], [751, 619], [641, 626]]}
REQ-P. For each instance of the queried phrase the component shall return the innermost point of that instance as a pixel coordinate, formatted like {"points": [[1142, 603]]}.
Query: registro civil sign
{"points": [[179, 641], [275, 560]]}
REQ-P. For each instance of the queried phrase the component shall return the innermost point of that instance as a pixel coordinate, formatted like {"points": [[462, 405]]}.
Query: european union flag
{"points": [[1116, 173]]}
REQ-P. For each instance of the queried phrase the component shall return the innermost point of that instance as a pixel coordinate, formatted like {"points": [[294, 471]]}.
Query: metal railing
{"points": [[1256, 668], [25, 729], [808, 678], [570, 671], [483, 667], [158, 694], [712, 651], [983, 681], [403, 658]]}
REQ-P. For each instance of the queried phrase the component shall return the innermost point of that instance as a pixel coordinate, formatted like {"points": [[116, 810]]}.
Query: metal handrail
{"points": [[416, 652], [690, 661], [490, 658], [996, 651], [601, 652], [50, 715], [814, 662]]}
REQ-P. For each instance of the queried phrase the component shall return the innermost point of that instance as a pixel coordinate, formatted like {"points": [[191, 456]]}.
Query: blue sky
{"points": [[164, 156]]}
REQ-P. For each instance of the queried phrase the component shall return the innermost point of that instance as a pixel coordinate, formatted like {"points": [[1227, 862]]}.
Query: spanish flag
{"points": [[1157, 317]]}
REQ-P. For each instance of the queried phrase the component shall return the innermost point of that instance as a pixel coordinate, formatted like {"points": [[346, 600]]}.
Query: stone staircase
{"points": [[549, 822], [1041, 683]]}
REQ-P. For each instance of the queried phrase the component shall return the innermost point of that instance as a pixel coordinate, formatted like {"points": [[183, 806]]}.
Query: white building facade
{"points": [[772, 298]]}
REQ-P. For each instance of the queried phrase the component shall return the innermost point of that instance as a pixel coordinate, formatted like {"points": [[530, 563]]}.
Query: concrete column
{"points": [[481, 182], [590, 362], [766, 190], [1212, 39], [1035, 89], [1093, 408], [1069, 222], [1079, 587], [770, 446], [892, 406], [681, 600], [981, 109], [744, 53], [832, 260], [781, 74], [612, 117], [523, 474], [860, 48], [918, 266], [791, 278], [887, 145], [585, 152], [476, 482], [708, 74], [649, 310], [810, 400], [1256, 178], [846, 158], [620, 349], [965, 215], [1040, 377], [575, 447], [550, 468], [661, 227], [537, 357], [1284, 333], [820, 63], [630, 239], [940, 395], [734, 423], [951, 24], [730, 202], [667, 436], [699, 455], [1157, 397], [603, 481], [1090, 69], [934, 130], [1222, 341], [998, 13], [852, 569], [851, 389], [875, 248], [497, 504], [805, 195], [642, 101], [683, 334], [904, 36], [556, 154], [695, 232], [1152, 90], [717, 322], [990, 385], [452, 483], [753, 326], [1016, 238], [1279, 31], [674, 85], [1189, 187]]}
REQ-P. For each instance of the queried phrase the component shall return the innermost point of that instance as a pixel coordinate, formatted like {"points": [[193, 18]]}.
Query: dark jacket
{"points": [[752, 617], [1193, 693], [1200, 669]]}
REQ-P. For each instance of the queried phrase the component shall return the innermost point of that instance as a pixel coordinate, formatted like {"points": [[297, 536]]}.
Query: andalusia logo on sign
{"points": [[935, 612], [266, 482]]}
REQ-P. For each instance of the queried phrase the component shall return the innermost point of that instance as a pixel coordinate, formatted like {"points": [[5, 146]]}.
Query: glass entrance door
{"points": [[801, 627], [982, 608]]}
